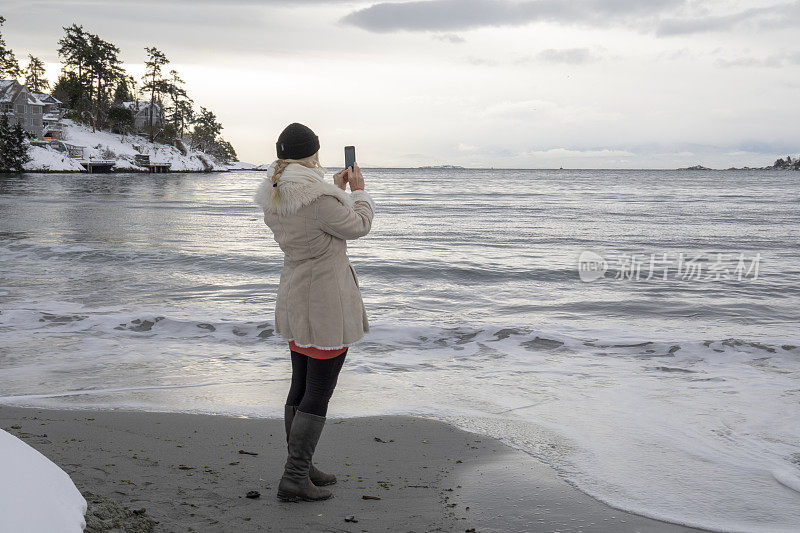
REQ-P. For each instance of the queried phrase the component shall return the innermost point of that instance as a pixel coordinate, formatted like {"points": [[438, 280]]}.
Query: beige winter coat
{"points": [[319, 302]]}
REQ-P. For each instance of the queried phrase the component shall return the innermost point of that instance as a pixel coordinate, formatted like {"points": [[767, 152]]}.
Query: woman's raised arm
{"points": [[342, 221]]}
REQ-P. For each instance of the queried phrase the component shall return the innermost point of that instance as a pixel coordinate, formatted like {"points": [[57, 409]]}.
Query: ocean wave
{"points": [[387, 336], [266, 263], [85, 256]]}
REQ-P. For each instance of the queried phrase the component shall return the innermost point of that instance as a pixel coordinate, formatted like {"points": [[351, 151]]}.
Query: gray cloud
{"points": [[450, 38], [661, 16], [481, 62], [774, 16], [449, 15], [565, 56], [186, 33], [91, 4], [570, 56], [773, 61]]}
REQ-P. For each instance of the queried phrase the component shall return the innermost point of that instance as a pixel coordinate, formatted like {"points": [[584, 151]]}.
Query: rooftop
{"points": [[46, 98], [9, 90]]}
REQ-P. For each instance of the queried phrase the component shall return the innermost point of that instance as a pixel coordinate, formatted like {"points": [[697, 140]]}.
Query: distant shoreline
{"points": [[263, 168]]}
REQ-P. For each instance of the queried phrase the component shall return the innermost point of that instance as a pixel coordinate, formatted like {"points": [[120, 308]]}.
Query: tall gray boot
{"points": [[318, 477], [295, 485]]}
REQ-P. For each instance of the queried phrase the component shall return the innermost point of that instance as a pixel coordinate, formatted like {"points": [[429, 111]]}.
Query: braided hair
{"points": [[311, 161]]}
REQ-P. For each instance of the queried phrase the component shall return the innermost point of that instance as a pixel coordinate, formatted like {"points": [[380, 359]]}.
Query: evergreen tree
{"points": [[69, 90], [224, 150], [9, 67], [120, 119], [74, 52], [124, 90], [153, 82], [179, 112], [13, 146], [34, 75], [92, 64], [206, 129], [105, 68], [206, 136]]}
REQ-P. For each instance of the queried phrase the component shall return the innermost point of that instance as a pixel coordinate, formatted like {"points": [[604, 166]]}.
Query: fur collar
{"points": [[298, 186]]}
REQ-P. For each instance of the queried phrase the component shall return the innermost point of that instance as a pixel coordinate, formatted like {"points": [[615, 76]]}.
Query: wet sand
{"points": [[187, 472]]}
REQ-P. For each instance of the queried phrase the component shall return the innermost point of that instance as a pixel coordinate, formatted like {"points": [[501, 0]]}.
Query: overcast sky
{"points": [[541, 83]]}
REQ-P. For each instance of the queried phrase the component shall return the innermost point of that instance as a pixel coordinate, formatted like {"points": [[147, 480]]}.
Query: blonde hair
{"points": [[311, 161]]}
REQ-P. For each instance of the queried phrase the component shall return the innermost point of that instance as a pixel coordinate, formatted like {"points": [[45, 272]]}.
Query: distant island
{"points": [[789, 163], [441, 166]]}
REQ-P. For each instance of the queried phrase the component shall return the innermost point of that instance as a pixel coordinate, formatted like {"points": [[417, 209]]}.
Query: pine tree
{"points": [[120, 119], [224, 150], [13, 146], [105, 69], [69, 90], [180, 112], [206, 136], [34, 75], [206, 129], [74, 53], [9, 67], [92, 65], [124, 90], [153, 82]]}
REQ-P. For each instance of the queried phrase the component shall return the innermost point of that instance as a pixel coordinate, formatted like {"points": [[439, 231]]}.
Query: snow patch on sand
{"points": [[36, 496]]}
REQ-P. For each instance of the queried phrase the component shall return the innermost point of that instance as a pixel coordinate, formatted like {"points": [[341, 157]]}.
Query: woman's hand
{"points": [[354, 178], [340, 179]]}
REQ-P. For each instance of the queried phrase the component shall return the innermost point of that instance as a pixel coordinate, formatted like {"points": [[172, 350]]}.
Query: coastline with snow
{"points": [[121, 150]]}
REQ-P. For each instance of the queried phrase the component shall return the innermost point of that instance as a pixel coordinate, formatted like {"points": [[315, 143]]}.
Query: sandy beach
{"points": [[186, 471]]}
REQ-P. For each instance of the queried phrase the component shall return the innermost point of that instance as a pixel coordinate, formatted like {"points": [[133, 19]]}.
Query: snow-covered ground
{"points": [[122, 149], [49, 159], [36, 496]]}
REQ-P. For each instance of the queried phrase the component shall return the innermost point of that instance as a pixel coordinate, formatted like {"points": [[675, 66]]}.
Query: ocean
{"points": [[636, 330]]}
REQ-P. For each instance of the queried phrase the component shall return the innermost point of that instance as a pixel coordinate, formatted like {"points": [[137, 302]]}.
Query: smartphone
{"points": [[349, 156]]}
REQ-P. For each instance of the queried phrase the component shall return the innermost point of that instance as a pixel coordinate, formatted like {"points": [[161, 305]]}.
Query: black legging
{"points": [[313, 381]]}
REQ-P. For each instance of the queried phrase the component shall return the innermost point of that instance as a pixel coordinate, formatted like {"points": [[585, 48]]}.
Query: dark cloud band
{"points": [[664, 17], [450, 15]]}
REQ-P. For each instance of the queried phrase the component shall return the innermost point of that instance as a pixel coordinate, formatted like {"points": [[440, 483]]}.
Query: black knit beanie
{"points": [[297, 141]]}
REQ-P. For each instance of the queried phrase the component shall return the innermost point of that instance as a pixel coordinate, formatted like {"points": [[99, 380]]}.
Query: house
{"points": [[52, 106], [52, 114], [141, 115], [21, 107]]}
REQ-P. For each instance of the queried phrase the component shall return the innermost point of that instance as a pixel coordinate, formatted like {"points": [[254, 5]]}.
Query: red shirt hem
{"points": [[316, 353]]}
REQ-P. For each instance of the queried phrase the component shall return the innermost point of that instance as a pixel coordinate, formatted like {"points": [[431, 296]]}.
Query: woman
{"points": [[319, 308]]}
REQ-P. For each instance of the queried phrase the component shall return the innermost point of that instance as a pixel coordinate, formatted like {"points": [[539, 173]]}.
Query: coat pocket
{"points": [[353, 272]]}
